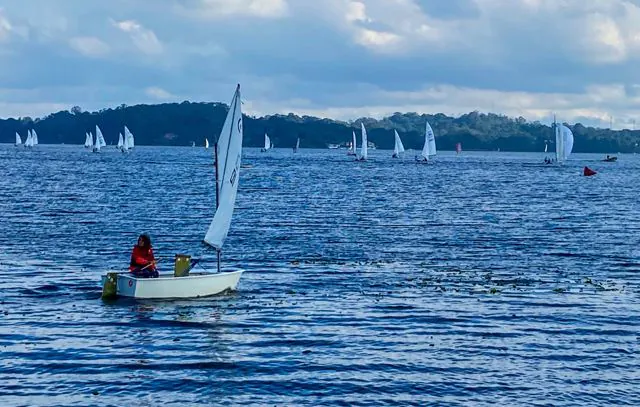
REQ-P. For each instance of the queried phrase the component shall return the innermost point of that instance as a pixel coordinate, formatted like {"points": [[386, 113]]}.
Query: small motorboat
{"points": [[610, 159]]}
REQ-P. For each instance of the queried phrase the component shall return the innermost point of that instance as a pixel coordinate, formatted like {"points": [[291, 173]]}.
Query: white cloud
{"points": [[5, 27], [158, 93], [226, 8], [89, 46], [144, 39]]}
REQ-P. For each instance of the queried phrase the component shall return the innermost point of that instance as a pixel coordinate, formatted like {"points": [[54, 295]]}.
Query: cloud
{"points": [[89, 46], [158, 93], [215, 9], [336, 58], [144, 39]]}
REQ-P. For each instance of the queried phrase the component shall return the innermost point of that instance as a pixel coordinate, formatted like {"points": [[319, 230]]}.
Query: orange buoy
{"points": [[588, 172]]}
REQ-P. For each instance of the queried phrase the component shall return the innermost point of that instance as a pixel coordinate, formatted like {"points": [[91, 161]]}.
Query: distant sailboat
{"points": [[206, 143], [120, 145], [398, 148], [365, 144], [564, 141], [128, 140], [18, 140], [34, 138], [96, 146], [295, 149], [88, 140], [99, 137], [267, 143], [29, 141], [352, 149], [458, 148], [429, 147]]}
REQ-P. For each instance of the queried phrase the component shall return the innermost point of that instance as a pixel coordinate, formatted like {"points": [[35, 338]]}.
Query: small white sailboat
{"points": [[365, 145], [228, 153], [120, 145], [352, 148], [295, 149], [564, 141], [429, 147], [128, 140], [88, 140], [34, 138], [29, 141], [458, 148], [99, 137], [267, 143], [18, 140], [398, 148], [96, 146], [206, 143]]}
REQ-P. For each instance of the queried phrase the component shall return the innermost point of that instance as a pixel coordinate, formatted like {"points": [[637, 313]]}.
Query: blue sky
{"points": [[331, 58]]}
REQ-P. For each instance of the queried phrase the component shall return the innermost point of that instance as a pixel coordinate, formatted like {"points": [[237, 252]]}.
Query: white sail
{"points": [[559, 143], [353, 142], [431, 139], [120, 141], [100, 137], [97, 145], [297, 145], [88, 140], [398, 148], [128, 139], [425, 147], [34, 137], [206, 143], [18, 139], [545, 147], [228, 155], [567, 141], [267, 142], [364, 147], [29, 140]]}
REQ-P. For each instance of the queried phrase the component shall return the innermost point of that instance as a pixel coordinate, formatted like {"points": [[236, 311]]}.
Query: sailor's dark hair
{"points": [[146, 239]]}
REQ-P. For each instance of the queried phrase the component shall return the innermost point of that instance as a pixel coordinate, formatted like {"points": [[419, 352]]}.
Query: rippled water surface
{"points": [[485, 279]]}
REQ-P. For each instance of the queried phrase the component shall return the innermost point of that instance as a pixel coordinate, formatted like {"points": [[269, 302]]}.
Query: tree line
{"points": [[180, 124]]}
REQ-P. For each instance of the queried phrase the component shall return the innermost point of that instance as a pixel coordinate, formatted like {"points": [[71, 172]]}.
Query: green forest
{"points": [[180, 124]]}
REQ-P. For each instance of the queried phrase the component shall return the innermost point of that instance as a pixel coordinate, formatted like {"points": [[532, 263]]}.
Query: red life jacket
{"points": [[140, 257]]}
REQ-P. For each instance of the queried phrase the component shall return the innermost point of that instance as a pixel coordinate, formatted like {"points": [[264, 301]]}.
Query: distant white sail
{"points": [[559, 143], [398, 147], [431, 139], [29, 141], [88, 140], [353, 142], [18, 140], [267, 142], [228, 155], [120, 141], [206, 143], [34, 137], [100, 137], [567, 141], [425, 147], [97, 145], [297, 145], [365, 146], [128, 139]]}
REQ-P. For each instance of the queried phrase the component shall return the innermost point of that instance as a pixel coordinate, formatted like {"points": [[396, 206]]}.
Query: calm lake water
{"points": [[485, 279]]}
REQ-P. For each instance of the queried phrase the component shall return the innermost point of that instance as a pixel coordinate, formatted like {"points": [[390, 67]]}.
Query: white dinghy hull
{"points": [[167, 286]]}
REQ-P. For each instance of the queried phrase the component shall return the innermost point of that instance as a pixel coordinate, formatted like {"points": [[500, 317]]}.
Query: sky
{"points": [[341, 59]]}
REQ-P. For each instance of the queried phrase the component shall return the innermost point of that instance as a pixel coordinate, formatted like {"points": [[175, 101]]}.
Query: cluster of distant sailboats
{"points": [[125, 143], [30, 141]]}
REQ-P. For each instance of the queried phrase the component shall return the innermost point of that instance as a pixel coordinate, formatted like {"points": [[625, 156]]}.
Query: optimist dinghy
{"points": [[182, 283]]}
